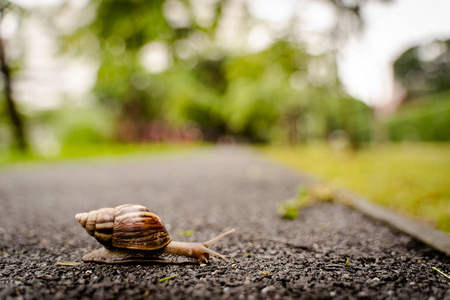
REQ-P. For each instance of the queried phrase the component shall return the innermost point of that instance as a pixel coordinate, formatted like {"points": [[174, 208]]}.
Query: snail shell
{"points": [[129, 226], [134, 233]]}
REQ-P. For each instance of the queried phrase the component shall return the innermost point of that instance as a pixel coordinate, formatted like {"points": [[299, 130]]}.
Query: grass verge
{"points": [[11, 157], [413, 179]]}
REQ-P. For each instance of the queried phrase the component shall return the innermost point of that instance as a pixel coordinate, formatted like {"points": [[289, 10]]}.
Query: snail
{"points": [[134, 233]]}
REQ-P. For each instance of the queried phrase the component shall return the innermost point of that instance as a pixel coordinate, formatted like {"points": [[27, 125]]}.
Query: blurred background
{"points": [[81, 77], [292, 71]]}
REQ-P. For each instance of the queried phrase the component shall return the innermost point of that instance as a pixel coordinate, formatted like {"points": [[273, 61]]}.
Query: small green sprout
{"points": [[288, 209], [185, 232], [166, 279]]}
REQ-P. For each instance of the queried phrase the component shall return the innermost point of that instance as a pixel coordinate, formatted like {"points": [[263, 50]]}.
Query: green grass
{"points": [[85, 151], [413, 179]]}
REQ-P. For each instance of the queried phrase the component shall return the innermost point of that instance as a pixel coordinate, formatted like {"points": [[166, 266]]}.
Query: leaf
{"points": [[67, 263], [186, 232], [290, 213], [166, 279], [289, 208]]}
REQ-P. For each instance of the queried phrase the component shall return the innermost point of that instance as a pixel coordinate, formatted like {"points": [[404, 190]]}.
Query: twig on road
{"points": [[440, 272]]}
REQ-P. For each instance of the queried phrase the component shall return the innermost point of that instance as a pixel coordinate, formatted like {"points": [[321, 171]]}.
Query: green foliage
{"points": [[121, 30], [426, 120], [5, 135], [252, 106], [189, 100], [136, 22], [221, 91], [82, 125], [246, 95], [423, 75]]}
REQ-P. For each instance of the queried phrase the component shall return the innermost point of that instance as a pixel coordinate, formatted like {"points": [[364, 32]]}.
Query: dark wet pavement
{"points": [[329, 251]]}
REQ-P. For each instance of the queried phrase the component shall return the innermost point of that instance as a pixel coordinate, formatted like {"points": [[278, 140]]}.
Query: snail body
{"points": [[134, 233]]}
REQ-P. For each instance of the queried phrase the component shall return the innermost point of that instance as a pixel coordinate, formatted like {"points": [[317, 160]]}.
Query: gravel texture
{"points": [[329, 251]]}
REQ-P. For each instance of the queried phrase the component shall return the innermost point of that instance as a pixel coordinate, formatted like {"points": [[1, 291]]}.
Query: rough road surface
{"points": [[330, 251]]}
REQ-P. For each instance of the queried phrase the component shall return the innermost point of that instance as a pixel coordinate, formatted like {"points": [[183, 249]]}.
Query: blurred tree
{"points": [[123, 28], [259, 89], [159, 60], [193, 99], [424, 119], [424, 72], [424, 69], [137, 41], [14, 115]]}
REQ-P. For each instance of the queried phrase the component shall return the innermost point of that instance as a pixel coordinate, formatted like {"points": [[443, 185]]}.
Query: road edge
{"points": [[432, 237]]}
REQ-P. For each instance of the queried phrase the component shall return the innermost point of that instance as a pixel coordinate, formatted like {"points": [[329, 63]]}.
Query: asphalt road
{"points": [[329, 251]]}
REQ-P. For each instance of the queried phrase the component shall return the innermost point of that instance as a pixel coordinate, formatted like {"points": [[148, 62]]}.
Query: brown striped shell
{"points": [[129, 226]]}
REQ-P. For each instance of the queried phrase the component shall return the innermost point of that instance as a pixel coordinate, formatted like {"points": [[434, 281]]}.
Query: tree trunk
{"points": [[17, 123]]}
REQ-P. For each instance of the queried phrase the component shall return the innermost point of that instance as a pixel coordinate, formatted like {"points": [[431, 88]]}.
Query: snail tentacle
{"points": [[217, 238]]}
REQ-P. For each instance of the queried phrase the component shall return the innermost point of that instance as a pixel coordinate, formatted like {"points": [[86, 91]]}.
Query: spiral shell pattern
{"points": [[129, 226]]}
